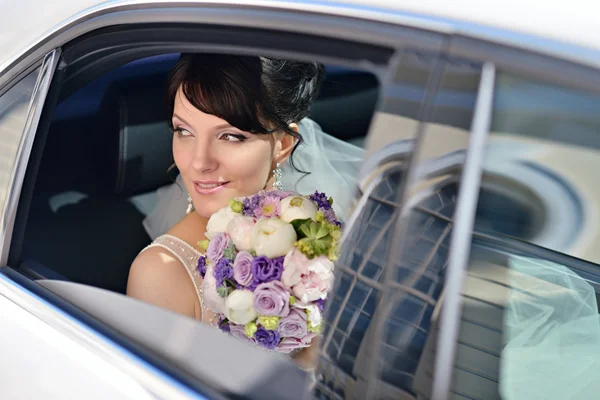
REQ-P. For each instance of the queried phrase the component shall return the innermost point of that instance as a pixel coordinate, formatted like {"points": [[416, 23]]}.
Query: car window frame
{"points": [[42, 293], [8, 211]]}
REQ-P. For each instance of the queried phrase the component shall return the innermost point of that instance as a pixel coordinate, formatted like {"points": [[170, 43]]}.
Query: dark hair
{"points": [[255, 94]]}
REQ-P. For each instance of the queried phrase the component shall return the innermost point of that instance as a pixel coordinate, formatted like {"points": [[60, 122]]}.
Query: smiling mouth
{"points": [[209, 188]]}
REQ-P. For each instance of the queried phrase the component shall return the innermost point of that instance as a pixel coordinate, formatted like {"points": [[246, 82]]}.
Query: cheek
{"points": [[250, 165], [180, 155]]}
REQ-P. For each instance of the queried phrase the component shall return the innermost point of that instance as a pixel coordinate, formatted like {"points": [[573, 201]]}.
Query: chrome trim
{"points": [[155, 381], [17, 175], [460, 241]]}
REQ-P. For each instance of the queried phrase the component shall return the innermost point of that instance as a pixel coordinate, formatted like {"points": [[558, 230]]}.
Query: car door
{"points": [[31, 349]]}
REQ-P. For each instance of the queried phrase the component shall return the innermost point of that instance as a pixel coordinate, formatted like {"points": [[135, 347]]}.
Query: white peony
{"points": [[239, 307], [239, 229], [297, 207], [272, 237], [218, 221]]}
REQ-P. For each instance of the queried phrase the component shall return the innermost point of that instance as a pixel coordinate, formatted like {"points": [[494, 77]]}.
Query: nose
{"points": [[203, 159]]}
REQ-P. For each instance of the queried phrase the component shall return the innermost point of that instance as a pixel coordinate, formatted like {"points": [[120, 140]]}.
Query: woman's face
{"points": [[217, 161]]}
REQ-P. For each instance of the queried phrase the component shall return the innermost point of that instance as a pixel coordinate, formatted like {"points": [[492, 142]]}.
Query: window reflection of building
{"points": [[349, 341]]}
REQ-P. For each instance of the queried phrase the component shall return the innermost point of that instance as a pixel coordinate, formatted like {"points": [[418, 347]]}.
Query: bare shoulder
{"points": [[157, 277]]}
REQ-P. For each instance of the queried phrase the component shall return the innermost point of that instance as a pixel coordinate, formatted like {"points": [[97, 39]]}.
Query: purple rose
{"points": [[223, 270], [267, 270], [293, 325], [242, 268], [287, 345], [217, 246], [272, 299], [201, 266], [266, 338], [238, 331]]}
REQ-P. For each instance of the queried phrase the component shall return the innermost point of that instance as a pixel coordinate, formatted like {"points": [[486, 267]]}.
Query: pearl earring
{"points": [[277, 177], [190, 206]]}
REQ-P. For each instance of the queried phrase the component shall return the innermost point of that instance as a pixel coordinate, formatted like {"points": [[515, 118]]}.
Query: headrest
{"points": [[133, 116]]}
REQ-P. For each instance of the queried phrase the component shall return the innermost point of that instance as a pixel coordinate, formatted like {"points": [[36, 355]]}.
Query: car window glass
{"points": [[380, 316], [530, 326], [14, 105]]}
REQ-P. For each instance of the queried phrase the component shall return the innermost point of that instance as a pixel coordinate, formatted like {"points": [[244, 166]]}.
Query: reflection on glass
{"points": [[380, 341], [530, 327], [14, 105]]}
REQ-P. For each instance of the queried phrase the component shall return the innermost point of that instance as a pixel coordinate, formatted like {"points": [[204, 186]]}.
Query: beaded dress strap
{"points": [[188, 256]]}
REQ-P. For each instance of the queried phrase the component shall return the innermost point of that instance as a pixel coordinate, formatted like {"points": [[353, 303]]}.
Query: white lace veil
{"points": [[332, 165]]}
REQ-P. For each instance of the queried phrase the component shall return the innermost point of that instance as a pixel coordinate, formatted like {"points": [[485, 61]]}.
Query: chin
{"points": [[209, 207]]}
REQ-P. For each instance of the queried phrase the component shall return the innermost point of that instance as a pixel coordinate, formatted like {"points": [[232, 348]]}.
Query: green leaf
{"points": [[230, 283], [299, 226], [229, 252], [223, 291]]}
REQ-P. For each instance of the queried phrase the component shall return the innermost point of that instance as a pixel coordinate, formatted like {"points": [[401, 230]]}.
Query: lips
{"points": [[208, 187]]}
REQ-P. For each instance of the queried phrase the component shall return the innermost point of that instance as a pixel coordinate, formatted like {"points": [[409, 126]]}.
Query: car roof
{"points": [[564, 26]]}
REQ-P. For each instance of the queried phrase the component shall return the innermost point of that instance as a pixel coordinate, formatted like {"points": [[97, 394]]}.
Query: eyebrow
{"points": [[181, 119], [222, 126]]}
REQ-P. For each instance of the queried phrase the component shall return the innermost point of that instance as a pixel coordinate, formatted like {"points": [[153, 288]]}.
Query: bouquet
{"points": [[269, 266]]}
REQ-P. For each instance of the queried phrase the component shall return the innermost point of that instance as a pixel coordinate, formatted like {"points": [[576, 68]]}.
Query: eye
{"points": [[181, 132], [233, 137]]}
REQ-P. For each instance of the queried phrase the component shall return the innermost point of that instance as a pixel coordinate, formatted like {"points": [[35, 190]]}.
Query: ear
{"points": [[284, 146]]}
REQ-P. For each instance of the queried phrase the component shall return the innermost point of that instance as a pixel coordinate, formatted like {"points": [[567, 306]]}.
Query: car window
{"points": [[379, 318], [14, 111], [530, 324]]}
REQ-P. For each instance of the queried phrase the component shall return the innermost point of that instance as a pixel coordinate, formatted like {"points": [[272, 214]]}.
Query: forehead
{"points": [[186, 110]]}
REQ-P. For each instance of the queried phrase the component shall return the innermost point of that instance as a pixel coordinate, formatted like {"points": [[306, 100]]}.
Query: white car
{"points": [[470, 262]]}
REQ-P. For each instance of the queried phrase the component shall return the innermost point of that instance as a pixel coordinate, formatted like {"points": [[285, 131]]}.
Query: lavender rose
{"points": [[238, 331], [242, 268], [219, 242], [272, 299], [267, 338], [267, 270], [294, 325], [287, 345], [223, 270]]}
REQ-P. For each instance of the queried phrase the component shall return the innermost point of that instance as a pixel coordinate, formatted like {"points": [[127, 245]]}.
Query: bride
{"points": [[235, 123]]}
